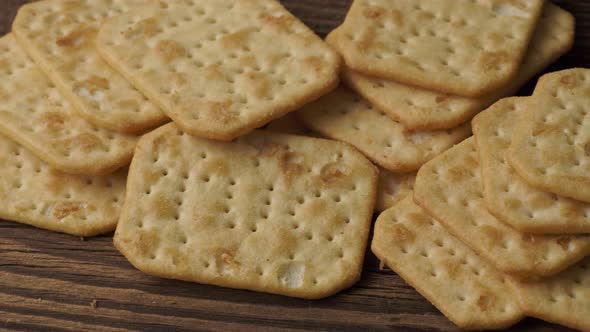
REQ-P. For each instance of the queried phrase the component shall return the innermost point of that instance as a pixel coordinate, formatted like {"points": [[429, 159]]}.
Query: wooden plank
{"points": [[56, 282]]}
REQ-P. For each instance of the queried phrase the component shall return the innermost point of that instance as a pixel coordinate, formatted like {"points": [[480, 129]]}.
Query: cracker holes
{"points": [[504, 245], [300, 200]]}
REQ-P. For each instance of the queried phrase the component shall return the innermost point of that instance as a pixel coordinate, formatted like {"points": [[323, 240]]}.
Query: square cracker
{"points": [[33, 193], [220, 68], [59, 36], [343, 116], [189, 211], [562, 299], [393, 187], [421, 109], [467, 289], [461, 47], [33, 113], [449, 188], [551, 143], [506, 194]]}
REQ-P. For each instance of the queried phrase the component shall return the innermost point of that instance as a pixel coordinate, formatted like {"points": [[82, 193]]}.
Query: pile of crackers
{"points": [[217, 139]]}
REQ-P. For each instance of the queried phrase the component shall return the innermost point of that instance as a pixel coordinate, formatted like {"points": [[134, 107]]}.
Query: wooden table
{"points": [[58, 282]]}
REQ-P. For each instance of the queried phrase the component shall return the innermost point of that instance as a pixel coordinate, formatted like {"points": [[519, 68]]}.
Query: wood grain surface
{"points": [[57, 282]]}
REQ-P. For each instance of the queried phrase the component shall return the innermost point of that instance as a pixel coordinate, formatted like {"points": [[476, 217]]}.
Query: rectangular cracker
{"points": [[59, 36], [343, 116], [449, 188], [461, 47], [563, 299], [467, 289], [421, 109], [506, 194], [551, 143], [34, 114], [220, 68], [33, 193], [189, 214]]}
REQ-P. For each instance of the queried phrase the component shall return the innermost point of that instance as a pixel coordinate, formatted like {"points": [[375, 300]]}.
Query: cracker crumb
{"points": [[94, 304]]}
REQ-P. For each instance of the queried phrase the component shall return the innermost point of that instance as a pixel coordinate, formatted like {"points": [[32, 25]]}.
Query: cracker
{"points": [[449, 188], [220, 68], [551, 145], [393, 187], [562, 299], [462, 47], [189, 211], [343, 116], [59, 36], [33, 193], [506, 194], [33, 113], [472, 293], [421, 109]]}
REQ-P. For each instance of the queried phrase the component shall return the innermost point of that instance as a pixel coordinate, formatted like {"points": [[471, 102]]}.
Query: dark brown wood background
{"points": [[50, 281]]}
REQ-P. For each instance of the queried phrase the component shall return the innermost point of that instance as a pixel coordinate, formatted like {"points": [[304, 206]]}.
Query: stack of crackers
{"points": [[488, 235], [143, 115]]}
